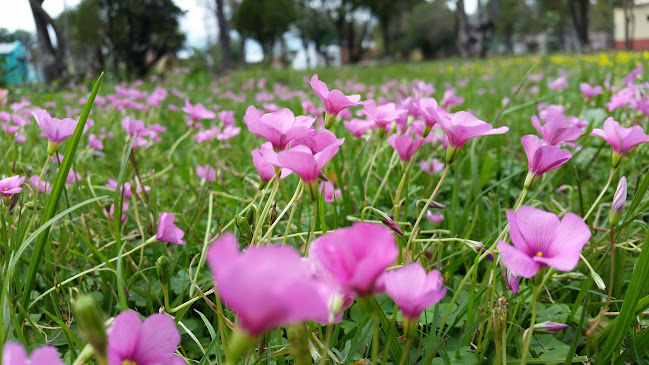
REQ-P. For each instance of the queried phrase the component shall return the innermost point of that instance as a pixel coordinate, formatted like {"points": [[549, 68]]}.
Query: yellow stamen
{"points": [[128, 362], [539, 254]]}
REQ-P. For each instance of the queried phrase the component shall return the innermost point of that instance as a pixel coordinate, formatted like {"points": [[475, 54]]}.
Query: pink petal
{"points": [[516, 261], [125, 334], [159, 338]]}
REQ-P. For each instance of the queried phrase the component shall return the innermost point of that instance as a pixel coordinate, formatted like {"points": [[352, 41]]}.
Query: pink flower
{"points": [[358, 126], [265, 286], [132, 126], [44, 186], [168, 231], [198, 111], [404, 145], [11, 185], [431, 166], [334, 100], [94, 142], [55, 129], [423, 106], [356, 256], [227, 117], [413, 290], [126, 186], [279, 127], [301, 160], [540, 239], [620, 138], [382, 115], [622, 98], [110, 213], [318, 141], [206, 135], [206, 172], [633, 75], [559, 84], [542, 158], [14, 354], [152, 342], [462, 127], [557, 129], [330, 193], [436, 218], [450, 100], [72, 177], [264, 160], [589, 91]]}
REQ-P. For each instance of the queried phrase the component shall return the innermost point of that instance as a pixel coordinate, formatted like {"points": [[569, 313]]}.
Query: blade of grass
{"points": [[57, 189], [637, 288]]}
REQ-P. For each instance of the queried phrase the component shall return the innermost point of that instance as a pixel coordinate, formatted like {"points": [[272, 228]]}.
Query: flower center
{"points": [[539, 254], [128, 362]]}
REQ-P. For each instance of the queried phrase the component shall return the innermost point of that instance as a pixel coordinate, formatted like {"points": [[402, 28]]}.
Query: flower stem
{"points": [[405, 351], [397, 196], [292, 203], [601, 195], [369, 171], [415, 228], [527, 336], [314, 221], [264, 213], [325, 353]]}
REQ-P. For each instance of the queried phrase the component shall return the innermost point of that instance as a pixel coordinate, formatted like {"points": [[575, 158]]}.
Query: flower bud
{"points": [[244, 228], [91, 324], [617, 207], [163, 267], [549, 327], [329, 120], [389, 222]]}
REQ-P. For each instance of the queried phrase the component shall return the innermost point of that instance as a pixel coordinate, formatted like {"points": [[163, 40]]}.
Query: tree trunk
{"points": [[461, 29], [487, 27], [384, 22], [224, 36], [628, 18], [579, 12], [52, 57]]}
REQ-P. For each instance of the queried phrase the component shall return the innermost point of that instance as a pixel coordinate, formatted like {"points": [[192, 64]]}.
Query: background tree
{"points": [[429, 27], [224, 35], [579, 13], [264, 21], [51, 57]]}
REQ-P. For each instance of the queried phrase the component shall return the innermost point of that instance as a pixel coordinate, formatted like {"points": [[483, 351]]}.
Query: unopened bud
{"points": [[619, 199], [272, 216], [163, 267], [91, 324], [389, 222], [323, 177], [251, 214], [244, 228], [549, 327]]}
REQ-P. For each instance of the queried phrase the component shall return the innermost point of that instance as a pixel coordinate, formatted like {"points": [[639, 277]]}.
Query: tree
{"points": [[579, 13], [52, 57], [313, 25], [224, 35], [430, 28], [264, 21]]}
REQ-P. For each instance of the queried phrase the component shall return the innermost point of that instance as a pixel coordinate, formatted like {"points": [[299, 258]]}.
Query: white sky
{"points": [[198, 23]]}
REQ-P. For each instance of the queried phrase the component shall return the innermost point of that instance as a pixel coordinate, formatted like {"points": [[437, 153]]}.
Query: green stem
{"points": [[314, 221], [264, 213], [165, 294], [369, 171], [175, 145], [393, 162], [415, 228], [405, 352], [601, 195], [397, 196], [292, 203], [325, 353], [527, 336]]}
